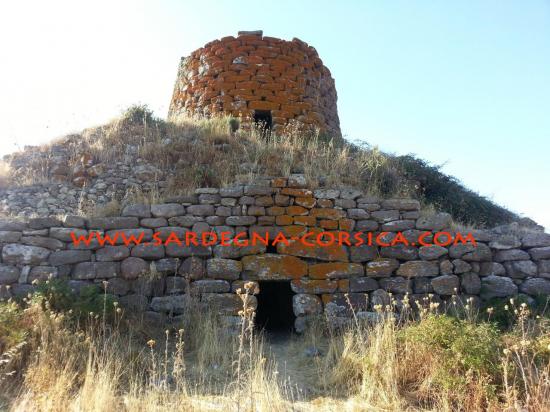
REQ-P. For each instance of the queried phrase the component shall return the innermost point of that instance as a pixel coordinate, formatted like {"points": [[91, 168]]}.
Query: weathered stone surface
{"points": [[170, 304], [167, 210], [366, 225], [153, 222], [12, 224], [459, 250], [540, 253], [148, 251], [519, 269], [381, 267], [137, 210], [134, 267], [437, 221], [175, 285], [41, 241], [415, 268], [166, 232], [209, 198], [227, 303], [210, 286], [396, 285], [334, 252], [201, 210], [9, 274], [536, 240], [446, 284], [193, 267], [491, 268], [358, 214], [326, 193], [363, 253], [118, 222], [544, 267], [535, 286], [401, 204], [497, 287], [134, 303], [44, 222], [461, 266], [504, 242], [118, 286], [432, 252], [344, 304], [112, 253], [95, 270], [175, 250], [470, 283], [240, 220], [129, 236], [335, 270], [223, 268], [422, 285], [362, 284], [446, 267], [385, 216], [511, 254], [9, 236], [481, 253], [313, 286], [398, 225], [305, 304], [67, 257], [42, 273], [185, 221], [233, 191], [234, 251], [273, 267], [64, 233], [17, 254], [401, 252]]}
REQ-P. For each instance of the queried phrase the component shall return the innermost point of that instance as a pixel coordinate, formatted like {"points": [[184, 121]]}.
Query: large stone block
{"points": [[273, 267], [134, 267], [17, 254], [379, 268], [497, 287], [167, 210], [313, 286], [8, 274], [118, 222], [446, 285], [437, 221], [95, 270], [223, 268], [334, 252], [415, 268], [68, 257], [306, 304], [335, 270], [227, 303], [535, 286]]}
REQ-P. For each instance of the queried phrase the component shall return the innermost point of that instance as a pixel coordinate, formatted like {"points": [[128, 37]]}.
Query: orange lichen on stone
{"points": [[334, 270], [273, 267], [248, 73]]}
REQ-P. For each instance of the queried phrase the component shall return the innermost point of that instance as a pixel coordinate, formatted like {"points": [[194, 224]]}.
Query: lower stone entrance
{"points": [[275, 313]]}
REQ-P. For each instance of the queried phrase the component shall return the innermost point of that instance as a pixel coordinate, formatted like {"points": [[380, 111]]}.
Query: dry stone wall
{"points": [[326, 280], [242, 75]]}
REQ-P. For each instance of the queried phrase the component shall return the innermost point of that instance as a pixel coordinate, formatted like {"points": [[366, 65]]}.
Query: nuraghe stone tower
{"points": [[258, 78]]}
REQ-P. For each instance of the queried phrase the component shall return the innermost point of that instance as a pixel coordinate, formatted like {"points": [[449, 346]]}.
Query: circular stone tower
{"points": [[259, 79]]}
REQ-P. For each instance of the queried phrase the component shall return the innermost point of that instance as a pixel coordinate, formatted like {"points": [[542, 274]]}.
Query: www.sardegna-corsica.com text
{"points": [[309, 239]]}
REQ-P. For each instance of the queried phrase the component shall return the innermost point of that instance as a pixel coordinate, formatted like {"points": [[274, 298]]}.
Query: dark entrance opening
{"points": [[274, 313], [263, 120]]}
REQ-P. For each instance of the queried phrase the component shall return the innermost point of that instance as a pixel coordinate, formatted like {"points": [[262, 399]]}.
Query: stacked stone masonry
{"points": [[158, 280], [242, 75]]}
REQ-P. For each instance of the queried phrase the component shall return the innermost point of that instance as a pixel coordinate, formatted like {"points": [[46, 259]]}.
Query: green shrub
{"points": [[56, 295], [12, 328], [465, 349]]}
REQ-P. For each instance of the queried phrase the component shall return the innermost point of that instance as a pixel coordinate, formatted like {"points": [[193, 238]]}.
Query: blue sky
{"points": [[465, 84]]}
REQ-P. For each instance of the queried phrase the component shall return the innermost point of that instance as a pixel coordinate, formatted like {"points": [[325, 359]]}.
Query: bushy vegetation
{"points": [[408, 361], [216, 152]]}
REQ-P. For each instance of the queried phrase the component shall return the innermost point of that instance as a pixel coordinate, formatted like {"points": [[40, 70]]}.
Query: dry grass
{"points": [[424, 362]]}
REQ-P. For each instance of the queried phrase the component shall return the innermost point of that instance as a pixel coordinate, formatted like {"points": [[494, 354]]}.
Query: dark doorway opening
{"points": [[274, 313], [263, 120]]}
